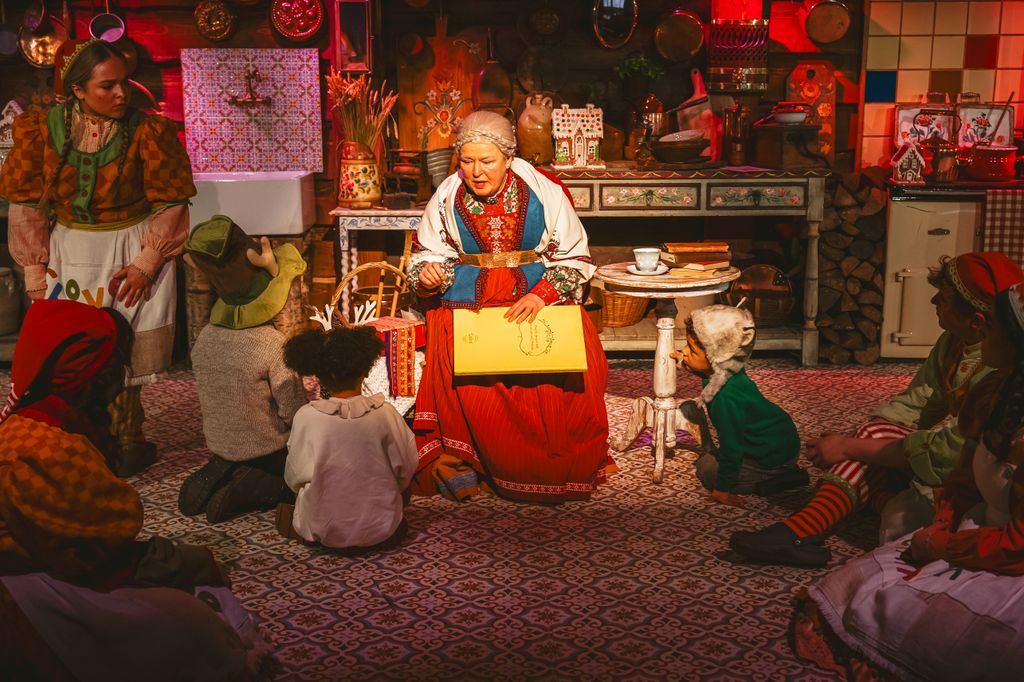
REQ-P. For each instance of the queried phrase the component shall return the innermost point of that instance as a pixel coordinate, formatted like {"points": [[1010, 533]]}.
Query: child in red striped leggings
{"points": [[892, 463]]}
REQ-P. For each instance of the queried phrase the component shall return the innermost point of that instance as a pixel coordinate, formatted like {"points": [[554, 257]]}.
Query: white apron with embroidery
{"points": [[82, 264]]}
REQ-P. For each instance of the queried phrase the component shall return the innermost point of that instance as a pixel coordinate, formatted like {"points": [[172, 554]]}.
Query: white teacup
{"points": [[646, 259]]}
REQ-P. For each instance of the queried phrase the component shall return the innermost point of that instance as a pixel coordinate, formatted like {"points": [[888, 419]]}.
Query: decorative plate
{"points": [[660, 270], [297, 20], [215, 20]]}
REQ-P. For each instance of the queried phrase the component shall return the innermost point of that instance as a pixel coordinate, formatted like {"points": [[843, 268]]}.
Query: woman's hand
{"points": [[134, 287], [525, 309], [431, 276], [830, 449], [36, 294]]}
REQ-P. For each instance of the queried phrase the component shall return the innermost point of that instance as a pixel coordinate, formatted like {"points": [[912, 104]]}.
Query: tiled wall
{"points": [[284, 135], [914, 47]]}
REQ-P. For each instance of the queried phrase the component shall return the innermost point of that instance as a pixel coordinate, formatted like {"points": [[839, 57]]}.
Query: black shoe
{"points": [[134, 458], [202, 483], [780, 483], [777, 544], [250, 489]]}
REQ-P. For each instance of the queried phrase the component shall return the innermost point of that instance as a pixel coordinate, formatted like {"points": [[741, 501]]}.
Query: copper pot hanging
{"points": [[40, 36]]}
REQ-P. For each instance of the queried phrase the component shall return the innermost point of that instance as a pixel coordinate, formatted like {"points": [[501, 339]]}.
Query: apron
{"points": [[82, 264], [936, 621]]}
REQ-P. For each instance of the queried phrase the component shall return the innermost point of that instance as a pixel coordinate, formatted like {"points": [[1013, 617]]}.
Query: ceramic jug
{"points": [[534, 130]]}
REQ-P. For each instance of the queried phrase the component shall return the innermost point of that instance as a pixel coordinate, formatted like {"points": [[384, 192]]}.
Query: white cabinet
{"points": [[920, 231]]}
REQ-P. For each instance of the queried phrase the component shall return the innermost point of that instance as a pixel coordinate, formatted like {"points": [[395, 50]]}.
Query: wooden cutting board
{"points": [[435, 88], [814, 82]]}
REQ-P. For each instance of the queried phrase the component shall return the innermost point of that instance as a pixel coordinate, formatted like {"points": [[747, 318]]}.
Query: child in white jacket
{"points": [[350, 457]]}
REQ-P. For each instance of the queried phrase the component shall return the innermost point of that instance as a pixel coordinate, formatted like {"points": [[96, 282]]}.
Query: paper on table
{"points": [[487, 343]]}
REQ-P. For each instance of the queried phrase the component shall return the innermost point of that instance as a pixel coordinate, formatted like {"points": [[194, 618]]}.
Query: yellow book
{"points": [[487, 343]]}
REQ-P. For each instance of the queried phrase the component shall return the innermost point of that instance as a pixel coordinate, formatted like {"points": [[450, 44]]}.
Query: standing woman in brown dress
{"points": [[99, 205]]}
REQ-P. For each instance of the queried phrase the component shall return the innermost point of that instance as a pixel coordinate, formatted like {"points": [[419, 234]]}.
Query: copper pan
{"points": [[679, 36], [40, 36]]}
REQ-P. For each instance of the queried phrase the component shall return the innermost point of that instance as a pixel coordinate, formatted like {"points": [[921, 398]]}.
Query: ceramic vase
{"points": [[359, 177]]}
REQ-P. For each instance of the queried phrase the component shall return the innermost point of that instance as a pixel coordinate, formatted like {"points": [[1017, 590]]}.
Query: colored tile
{"points": [[911, 86], [1011, 52], [981, 81], [883, 53], [225, 140], [915, 52], [981, 52], [1012, 22], [880, 86], [949, 82], [875, 151], [983, 17], [1007, 81], [885, 19], [878, 119], [951, 18], [948, 52], [918, 19]]}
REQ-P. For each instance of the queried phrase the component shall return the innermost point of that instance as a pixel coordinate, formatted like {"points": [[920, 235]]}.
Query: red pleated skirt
{"points": [[530, 437]]}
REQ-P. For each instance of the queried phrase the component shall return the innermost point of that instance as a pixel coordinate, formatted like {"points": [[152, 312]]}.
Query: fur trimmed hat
{"points": [[727, 335]]}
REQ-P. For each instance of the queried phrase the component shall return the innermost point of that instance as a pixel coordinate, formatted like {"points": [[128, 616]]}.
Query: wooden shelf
{"points": [[642, 336]]}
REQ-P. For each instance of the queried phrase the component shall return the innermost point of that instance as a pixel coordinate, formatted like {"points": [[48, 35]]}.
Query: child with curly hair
{"points": [[350, 457]]}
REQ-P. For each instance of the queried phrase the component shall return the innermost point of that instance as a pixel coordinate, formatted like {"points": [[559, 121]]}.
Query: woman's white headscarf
{"points": [[487, 126]]}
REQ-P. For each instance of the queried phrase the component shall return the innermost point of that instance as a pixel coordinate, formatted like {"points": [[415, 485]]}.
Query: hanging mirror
{"points": [[614, 21], [351, 36]]}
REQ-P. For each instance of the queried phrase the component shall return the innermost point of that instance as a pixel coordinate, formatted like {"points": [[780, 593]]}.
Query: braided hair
{"points": [[79, 74], [1008, 415]]}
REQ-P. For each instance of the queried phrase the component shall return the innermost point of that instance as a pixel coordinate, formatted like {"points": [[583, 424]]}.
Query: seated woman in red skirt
{"points": [[501, 233]]}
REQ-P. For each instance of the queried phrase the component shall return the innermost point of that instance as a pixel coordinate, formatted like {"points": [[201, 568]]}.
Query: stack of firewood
{"points": [[852, 256]]}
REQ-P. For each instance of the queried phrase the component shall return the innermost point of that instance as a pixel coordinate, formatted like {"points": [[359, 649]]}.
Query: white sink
{"points": [[272, 203]]}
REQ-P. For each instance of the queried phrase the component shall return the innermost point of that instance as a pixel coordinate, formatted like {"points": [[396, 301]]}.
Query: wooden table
{"points": [[621, 191], [662, 411]]}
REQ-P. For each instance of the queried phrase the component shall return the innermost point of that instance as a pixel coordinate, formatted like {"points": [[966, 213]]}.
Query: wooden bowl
{"points": [[679, 152]]}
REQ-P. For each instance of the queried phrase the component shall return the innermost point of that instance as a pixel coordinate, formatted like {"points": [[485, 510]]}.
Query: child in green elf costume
{"points": [[247, 394]]}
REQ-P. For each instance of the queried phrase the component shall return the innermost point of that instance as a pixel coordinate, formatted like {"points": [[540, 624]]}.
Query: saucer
{"points": [[662, 269]]}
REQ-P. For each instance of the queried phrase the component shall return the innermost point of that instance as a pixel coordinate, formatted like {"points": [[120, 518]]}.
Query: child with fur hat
{"points": [[757, 441], [350, 456], [247, 395]]}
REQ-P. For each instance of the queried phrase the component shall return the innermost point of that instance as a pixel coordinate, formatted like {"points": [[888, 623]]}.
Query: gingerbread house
{"points": [[907, 164], [578, 134]]}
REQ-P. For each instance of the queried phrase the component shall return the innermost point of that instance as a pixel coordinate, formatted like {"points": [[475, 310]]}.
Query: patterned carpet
{"points": [[635, 584]]}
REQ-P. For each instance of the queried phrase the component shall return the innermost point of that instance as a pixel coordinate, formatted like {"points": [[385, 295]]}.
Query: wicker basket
{"points": [[619, 310]]}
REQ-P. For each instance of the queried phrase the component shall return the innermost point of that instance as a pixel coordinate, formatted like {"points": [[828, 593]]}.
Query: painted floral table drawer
{"points": [[731, 197], [632, 197], [582, 197]]}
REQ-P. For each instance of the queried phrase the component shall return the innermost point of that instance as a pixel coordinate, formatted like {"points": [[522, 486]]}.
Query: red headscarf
{"points": [[61, 347], [979, 276]]}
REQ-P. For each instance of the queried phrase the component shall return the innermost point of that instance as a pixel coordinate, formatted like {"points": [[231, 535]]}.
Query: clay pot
{"points": [[359, 178], [534, 130]]}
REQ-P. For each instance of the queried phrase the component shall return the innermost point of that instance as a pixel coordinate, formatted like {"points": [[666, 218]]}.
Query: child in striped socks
{"points": [[891, 463]]}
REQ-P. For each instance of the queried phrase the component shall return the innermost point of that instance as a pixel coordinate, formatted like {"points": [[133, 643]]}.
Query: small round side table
{"points": [[660, 412]]}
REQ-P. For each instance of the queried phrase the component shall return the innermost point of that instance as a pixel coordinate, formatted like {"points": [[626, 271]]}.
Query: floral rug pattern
{"points": [[636, 583]]}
